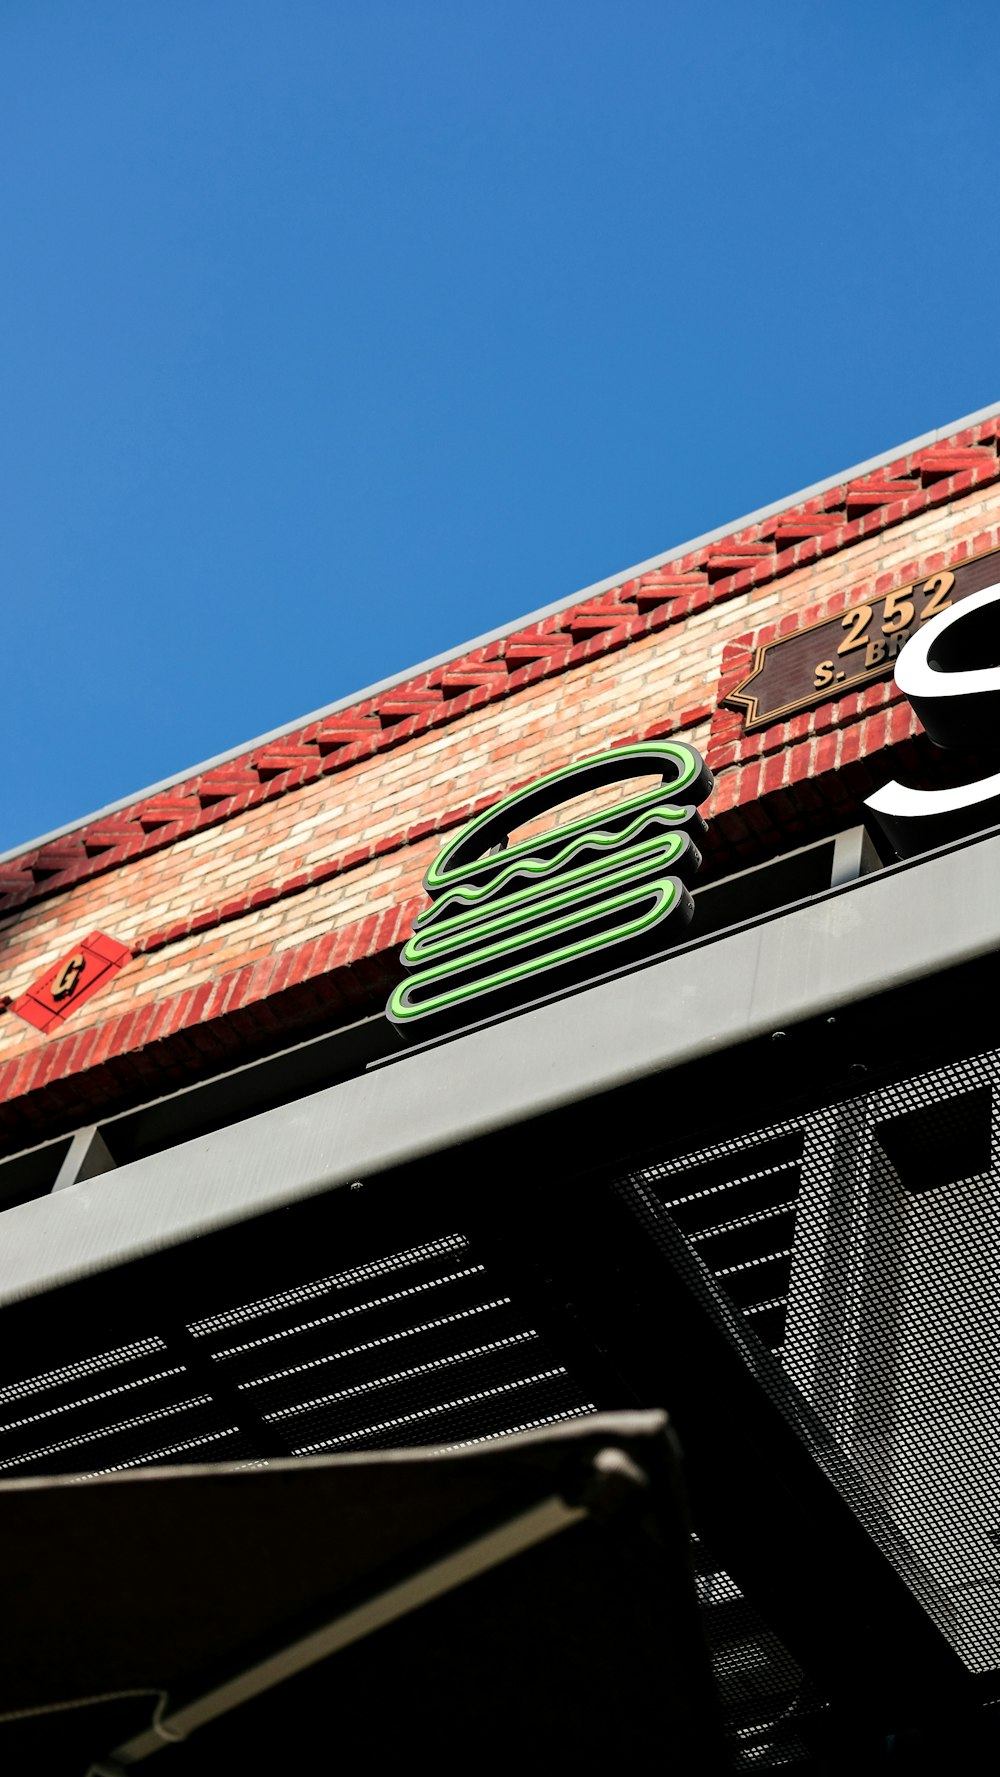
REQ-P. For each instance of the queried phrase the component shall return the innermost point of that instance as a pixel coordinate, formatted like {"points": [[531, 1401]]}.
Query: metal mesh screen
{"points": [[413, 1348], [418, 1345], [771, 1710], [852, 1253]]}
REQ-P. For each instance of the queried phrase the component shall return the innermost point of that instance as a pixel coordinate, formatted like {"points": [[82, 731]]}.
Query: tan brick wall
{"points": [[654, 680]]}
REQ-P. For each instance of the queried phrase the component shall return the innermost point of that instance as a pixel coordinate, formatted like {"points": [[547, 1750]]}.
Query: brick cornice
{"points": [[266, 894], [154, 1046], [803, 533], [206, 919], [812, 786]]}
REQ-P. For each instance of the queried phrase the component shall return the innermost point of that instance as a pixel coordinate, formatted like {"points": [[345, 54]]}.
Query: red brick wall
{"points": [[269, 897]]}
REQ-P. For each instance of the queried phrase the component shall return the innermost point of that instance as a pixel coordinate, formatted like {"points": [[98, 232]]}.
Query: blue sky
{"points": [[334, 335]]}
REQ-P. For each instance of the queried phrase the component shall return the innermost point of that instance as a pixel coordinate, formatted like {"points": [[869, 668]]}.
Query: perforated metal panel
{"points": [[771, 1710], [849, 1252], [420, 1345], [413, 1348], [852, 1253], [112, 1409]]}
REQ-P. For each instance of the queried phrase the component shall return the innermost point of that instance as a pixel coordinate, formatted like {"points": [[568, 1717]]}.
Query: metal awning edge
{"points": [[883, 932]]}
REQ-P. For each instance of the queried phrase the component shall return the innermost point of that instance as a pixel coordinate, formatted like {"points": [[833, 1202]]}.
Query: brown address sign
{"points": [[844, 653]]}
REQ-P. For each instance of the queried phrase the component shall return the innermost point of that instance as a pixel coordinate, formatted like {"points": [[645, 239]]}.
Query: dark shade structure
{"points": [[532, 1599]]}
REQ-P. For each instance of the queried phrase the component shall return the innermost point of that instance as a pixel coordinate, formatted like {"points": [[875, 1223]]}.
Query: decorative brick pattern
{"points": [[208, 918], [763, 805], [148, 1051], [745, 562], [814, 783], [254, 916]]}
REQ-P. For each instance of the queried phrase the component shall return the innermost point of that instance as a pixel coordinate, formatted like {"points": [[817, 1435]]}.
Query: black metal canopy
{"points": [[531, 1597]]}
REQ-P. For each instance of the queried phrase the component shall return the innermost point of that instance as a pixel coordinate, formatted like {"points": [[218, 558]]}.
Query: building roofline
{"points": [[517, 623]]}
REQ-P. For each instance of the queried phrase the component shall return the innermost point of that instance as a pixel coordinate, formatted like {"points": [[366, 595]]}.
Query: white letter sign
{"points": [[950, 671]]}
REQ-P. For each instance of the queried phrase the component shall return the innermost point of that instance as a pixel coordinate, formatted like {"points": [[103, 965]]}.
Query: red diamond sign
{"points": [[92, 964]]}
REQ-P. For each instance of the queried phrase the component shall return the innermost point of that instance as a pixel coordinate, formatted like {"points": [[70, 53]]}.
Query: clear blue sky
{"points": [[334, 334]]}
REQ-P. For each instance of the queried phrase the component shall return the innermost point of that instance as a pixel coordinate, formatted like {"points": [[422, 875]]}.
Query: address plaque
{"points": [[843, 653]]}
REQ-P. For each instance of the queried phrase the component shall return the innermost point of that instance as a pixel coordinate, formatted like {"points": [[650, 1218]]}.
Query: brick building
{"points": [[774, 1132]]}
